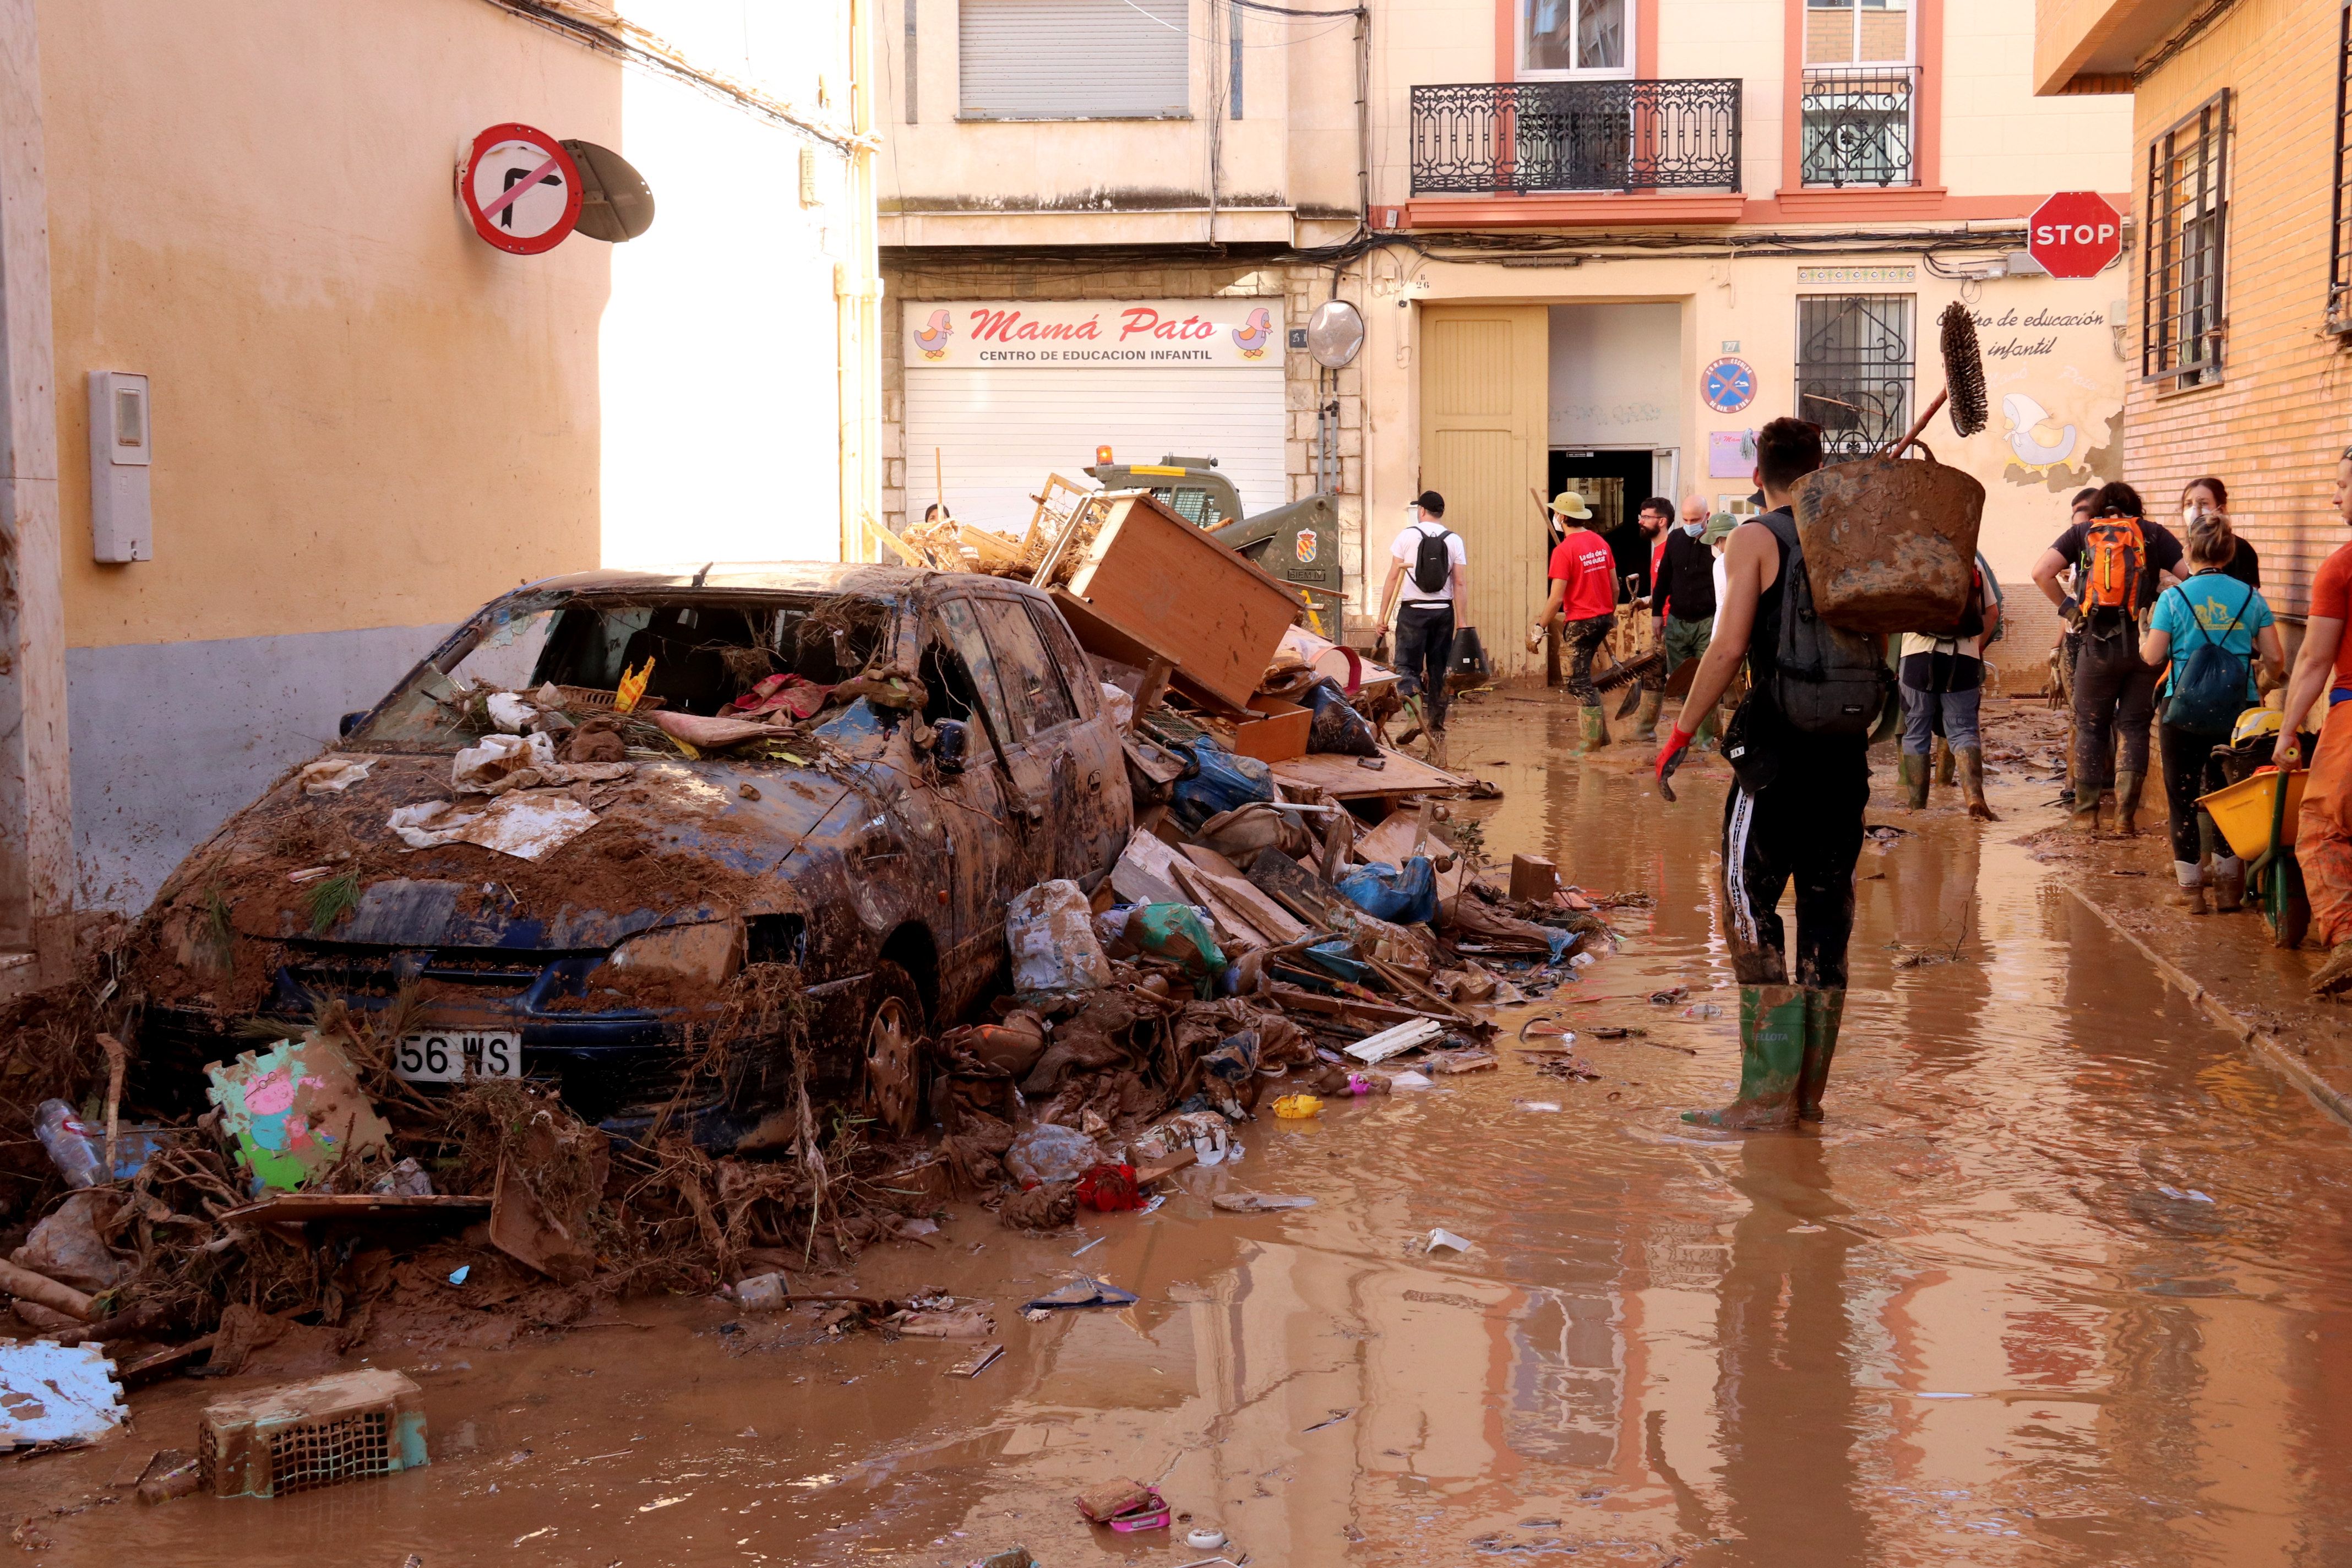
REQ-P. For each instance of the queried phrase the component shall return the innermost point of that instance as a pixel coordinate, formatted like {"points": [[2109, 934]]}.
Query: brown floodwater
{"points": [[2053, 1284]]}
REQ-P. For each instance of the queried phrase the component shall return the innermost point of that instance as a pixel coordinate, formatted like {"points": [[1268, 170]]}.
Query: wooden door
{"points": [[1483, 403]]}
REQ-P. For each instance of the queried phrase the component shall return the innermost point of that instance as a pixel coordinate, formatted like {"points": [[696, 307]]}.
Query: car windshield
{"points": [[776, 657]]}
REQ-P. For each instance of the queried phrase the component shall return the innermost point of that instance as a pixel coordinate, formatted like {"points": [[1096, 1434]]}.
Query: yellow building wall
{"points": [[364, 416], [2275, 425]]}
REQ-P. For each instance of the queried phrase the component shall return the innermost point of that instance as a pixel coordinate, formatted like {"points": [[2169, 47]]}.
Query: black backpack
{"points": [[1432, 564], [1825, 681]]}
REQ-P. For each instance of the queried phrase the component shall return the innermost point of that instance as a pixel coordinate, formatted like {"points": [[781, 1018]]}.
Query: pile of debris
{"points": [[1298, 913]]}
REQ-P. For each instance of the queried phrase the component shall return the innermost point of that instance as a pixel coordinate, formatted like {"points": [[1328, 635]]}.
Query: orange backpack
{"points": [[2115, 559]]}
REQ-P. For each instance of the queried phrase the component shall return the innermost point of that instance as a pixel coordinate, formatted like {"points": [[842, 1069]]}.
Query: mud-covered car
{"points": [[961, 750]]}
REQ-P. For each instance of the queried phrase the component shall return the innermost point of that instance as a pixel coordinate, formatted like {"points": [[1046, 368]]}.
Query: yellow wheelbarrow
{"points": [[2257, 817]]}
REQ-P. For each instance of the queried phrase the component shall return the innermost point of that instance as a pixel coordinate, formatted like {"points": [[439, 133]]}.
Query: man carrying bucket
{"points": [[2323, 842]]}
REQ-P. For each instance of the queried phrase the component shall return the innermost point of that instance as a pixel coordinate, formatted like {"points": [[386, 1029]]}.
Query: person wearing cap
{"points": [[1426, 617], [1583, 575]]}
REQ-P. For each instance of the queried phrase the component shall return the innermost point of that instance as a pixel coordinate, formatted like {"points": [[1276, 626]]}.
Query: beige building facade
{"points": [[1595, 243], [364, 420]]}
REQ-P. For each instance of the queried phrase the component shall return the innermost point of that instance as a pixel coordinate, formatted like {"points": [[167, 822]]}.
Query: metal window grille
{"points": [[2339, 246], [1577, 136], [2188, 217], [1857, 126], [1855, 364]]}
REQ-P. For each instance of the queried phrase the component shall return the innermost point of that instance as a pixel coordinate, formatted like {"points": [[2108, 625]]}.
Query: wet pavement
{"points": [[2053, 1284]]}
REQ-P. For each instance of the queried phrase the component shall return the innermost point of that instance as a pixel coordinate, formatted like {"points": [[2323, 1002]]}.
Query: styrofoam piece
{"points": [[51, 1393]]}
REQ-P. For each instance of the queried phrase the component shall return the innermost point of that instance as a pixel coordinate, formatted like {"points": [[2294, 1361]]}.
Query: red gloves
{"points": [[1670, 757]]}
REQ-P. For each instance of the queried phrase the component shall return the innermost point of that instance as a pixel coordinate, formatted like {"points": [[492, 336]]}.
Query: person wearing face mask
{"points": [[1427, 562], [2209, 497], [1683, 600]]}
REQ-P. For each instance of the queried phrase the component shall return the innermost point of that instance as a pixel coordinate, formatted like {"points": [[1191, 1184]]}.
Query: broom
{"points": [[1964, 379]]}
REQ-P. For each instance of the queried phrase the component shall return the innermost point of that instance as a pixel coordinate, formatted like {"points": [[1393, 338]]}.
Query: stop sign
{"points": [[2074, 233]]}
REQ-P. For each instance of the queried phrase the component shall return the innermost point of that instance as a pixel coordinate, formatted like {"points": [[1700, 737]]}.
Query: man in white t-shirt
{"points": [[1427, 563]]}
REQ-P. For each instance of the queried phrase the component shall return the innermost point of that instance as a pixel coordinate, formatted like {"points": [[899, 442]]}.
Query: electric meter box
{"points": [[122, 519]]}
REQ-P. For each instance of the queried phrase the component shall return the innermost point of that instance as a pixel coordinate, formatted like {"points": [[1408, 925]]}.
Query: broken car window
{"points": [[962, 628], [1033, 684], [774, 658]]}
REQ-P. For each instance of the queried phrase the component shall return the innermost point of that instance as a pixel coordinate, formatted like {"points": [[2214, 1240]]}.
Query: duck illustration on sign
{"points": [[932, 340], [2027, 420], [1253, 336]]}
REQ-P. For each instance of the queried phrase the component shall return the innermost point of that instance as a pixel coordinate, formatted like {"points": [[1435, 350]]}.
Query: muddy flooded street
{"points": [[2059, 1279]]}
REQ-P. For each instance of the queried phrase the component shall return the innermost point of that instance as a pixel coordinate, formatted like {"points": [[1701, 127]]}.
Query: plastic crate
{"points": [[305, 1436]]}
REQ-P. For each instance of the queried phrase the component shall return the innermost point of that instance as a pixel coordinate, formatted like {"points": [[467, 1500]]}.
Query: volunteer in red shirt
{"points": [[1584, 594], [2323, 839]]}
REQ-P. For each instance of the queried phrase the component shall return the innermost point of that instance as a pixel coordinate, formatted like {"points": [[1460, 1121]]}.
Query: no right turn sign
{"points": [[521, 189]]}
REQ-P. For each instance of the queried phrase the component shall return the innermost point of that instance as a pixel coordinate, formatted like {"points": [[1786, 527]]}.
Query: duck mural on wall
{"points": [[2027, 418]]}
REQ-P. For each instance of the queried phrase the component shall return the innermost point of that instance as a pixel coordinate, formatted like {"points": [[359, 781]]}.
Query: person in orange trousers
{"points": [[2323, 840]]}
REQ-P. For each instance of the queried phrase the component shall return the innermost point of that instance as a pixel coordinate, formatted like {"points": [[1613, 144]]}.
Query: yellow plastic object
{"points": [[2243, 811], [633, 686], [2255, 721], [1295, 1107]]}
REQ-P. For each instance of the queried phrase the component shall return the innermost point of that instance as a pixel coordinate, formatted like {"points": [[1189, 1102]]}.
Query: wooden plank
{"points": [[1159, 579], [1265, 913], [1340, 778]]}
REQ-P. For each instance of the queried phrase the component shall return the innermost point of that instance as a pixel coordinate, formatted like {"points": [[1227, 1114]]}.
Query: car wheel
{"points": [[894, 1050]]}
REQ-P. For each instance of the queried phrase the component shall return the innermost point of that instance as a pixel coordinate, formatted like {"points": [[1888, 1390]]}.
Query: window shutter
{"points": [[1074, 59]]}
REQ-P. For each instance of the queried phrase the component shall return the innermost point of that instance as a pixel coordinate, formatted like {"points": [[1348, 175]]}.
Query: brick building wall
{"points": [[2275, 424], [1304, 383]]}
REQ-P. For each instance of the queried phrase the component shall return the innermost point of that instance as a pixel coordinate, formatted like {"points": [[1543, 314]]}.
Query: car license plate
{"points": [[452, 1055]]}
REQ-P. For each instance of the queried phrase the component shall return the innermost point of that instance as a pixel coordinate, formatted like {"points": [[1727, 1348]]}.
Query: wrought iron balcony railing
{"points": [[1857, 126], [1520, 136]]}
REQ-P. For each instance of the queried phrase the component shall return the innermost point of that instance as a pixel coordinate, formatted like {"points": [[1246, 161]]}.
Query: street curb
{"points": [[2275, 1053]]}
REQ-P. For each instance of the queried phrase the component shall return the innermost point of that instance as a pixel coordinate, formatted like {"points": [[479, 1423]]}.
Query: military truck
{"points": [[1298, 542]]}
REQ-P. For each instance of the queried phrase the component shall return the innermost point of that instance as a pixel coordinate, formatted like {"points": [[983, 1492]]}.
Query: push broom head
{"points": [[1964, 376]]}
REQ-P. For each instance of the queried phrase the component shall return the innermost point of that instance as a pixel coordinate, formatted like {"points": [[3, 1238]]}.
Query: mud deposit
{"points": [[1987, 1314]]}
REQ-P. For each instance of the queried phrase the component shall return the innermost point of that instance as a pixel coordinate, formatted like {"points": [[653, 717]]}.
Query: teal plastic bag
{"points": [[1176, 931]]}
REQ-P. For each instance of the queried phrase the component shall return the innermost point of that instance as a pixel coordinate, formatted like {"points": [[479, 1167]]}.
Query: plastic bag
{"points": [[1337, 726], [1050, 1154], [1408, 897], [1176, 931], [1050, 929], [1224, 783]]}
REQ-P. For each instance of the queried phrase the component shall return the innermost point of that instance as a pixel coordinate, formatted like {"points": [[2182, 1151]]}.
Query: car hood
{"points": [[675, 843]]}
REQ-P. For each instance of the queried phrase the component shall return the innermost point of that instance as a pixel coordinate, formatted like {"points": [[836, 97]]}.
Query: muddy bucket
{"points": [[1889, 542]]}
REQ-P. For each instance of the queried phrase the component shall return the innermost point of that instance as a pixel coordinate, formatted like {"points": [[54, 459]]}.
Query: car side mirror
{"points": [[349, 723], [950, 745]]}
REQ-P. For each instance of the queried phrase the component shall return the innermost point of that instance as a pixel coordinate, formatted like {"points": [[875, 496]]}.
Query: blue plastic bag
{"points": [[1224, 783], [1407, 897]]}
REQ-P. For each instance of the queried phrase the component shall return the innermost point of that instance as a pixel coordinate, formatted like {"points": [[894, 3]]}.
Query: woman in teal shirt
{"points": [[2210, 607]]}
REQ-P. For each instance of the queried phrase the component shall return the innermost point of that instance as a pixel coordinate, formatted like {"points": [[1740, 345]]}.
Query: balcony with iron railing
{"points": [[1524, 137], [1856, 125]]}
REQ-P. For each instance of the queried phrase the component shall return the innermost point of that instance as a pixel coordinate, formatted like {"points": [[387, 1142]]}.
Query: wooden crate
{"points": [[1275, 733], [1169, 586]]}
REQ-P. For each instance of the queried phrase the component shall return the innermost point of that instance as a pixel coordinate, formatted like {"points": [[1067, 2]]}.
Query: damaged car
{"points": [[651, 837]]}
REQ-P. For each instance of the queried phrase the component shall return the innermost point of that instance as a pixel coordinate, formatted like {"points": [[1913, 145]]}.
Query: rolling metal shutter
{"points": [[1065, 59], [998, 433]]}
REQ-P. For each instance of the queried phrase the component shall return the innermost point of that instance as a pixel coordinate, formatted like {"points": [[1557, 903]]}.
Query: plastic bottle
{"points": [[78, 1155]]}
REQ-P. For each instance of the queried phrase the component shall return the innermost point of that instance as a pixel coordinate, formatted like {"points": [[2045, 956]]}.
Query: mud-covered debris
{"points": [[1124, 1506], [1083, 1291], [1050, 1207], [1259, 1203]]}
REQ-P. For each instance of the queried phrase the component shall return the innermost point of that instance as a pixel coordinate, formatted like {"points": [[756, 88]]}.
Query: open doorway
{"points": [[1614, 483]]}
